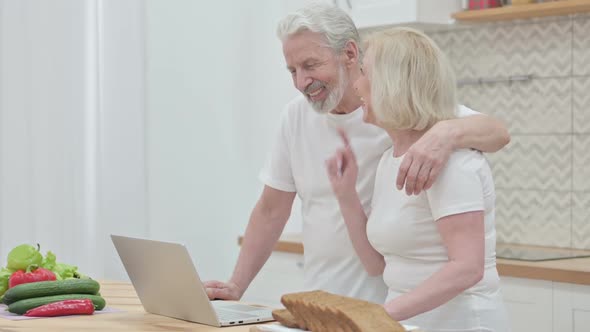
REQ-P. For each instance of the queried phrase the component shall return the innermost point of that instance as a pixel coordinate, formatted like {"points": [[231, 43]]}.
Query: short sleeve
{"points": [[459, 188], [464, 111], [277, 172]]}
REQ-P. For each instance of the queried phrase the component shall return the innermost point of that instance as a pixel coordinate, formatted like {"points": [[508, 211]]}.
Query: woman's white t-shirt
{"points": [[296, 163], [403, 229]]}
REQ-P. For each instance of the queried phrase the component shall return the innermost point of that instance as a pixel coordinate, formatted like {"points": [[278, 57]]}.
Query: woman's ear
{"points": [[351, 51]]}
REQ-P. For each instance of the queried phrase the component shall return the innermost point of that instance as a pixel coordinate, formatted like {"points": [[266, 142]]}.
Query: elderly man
{"points": [[321, 49]]}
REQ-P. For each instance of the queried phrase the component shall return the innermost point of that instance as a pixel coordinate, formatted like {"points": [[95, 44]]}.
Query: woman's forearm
{"points": [[356, 224]]}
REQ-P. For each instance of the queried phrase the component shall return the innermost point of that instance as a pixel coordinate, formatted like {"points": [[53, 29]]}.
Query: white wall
{"points": [[72, 166], [145, 118], [269, 88], [216, 86], [43, 112], [121, 165]]}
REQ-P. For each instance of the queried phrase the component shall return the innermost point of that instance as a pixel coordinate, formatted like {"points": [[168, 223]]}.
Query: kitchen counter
{"points": [[120, 295], [573, 270]]}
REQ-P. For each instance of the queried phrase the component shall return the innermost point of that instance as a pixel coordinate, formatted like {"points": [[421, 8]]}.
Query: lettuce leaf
{"points": [[5, 274], [61, 270]]}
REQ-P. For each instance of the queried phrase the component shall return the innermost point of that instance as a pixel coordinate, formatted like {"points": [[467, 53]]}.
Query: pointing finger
{"points": [[344, 137], [332, 168]]}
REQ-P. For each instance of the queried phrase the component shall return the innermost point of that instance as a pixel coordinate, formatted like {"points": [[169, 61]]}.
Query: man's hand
{"points": [[425, 159], [223, 290], [342, 169]]}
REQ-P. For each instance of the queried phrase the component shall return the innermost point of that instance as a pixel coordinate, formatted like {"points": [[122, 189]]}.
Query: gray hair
{"points": [[330, 21]]}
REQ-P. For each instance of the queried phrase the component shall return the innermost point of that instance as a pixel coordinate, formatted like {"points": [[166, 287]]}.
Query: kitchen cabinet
{"points": [[532, 305], [546, 306], [546, 296], [529, 304], [373, 13], [571, 307]]}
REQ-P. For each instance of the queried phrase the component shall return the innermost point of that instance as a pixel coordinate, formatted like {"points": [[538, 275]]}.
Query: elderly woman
{"points": [[436, 250]]}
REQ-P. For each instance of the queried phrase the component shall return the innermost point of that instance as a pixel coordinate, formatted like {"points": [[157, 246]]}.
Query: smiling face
{"points": [[316, 71], [362, 87]]}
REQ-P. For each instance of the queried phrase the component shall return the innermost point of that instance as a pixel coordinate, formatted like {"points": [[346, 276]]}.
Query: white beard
{"points": [[334, 96]]}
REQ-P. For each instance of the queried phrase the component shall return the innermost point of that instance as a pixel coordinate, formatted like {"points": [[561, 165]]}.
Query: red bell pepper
{"points": [[22, 277], [63, 308]]}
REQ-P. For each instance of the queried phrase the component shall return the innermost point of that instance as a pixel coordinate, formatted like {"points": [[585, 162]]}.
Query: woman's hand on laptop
{"points": [[218, 290]]}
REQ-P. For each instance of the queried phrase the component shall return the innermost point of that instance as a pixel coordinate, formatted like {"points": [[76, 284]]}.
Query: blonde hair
{"points": [[412, 83]]}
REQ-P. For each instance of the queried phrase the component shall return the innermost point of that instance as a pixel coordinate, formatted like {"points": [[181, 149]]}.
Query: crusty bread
{"points": [[294, 303], [320, 311], [285, 317]]}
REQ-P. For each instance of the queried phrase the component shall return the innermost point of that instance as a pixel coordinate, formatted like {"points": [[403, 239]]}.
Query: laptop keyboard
{"points": [[242, 307], [227, 315]]}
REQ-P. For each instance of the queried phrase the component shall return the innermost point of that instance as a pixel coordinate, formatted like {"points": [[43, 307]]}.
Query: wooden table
{"points": [[120, 295]]}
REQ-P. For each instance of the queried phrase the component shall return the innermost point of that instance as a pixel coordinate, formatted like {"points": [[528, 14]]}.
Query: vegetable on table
{"points": [[28, 258], [4, 278], [49, 288], [24, 255], [63, 308], [31, 275], [61, 270], [22, 306]]}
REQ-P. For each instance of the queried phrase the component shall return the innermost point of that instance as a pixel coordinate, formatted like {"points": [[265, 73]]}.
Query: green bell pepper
{"points": [[22, 256]]}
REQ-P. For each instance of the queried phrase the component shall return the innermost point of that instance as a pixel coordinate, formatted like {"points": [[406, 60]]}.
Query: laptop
{"points": [[168, 284]]}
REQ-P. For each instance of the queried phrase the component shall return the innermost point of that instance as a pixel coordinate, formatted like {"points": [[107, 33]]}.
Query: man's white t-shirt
{"points": [[403, 229], [305, 141]]}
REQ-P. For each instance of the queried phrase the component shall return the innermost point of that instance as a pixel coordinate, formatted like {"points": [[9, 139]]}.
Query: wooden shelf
{"points": [[553, 8]]}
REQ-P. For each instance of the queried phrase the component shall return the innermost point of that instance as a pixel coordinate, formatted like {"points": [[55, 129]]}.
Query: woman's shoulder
{"points": [[465, 170], [467, 159], [387, 155]]}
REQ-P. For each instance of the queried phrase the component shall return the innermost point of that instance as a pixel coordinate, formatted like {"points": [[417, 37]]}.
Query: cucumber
{"points": [[22, 306], [48, 288]]}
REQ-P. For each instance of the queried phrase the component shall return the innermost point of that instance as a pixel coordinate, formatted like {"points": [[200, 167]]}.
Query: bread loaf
{"points": [[284, 317], [320, 311]]}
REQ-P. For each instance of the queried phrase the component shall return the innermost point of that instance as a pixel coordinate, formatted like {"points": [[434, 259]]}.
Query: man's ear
{"points": [[351, 52]]}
